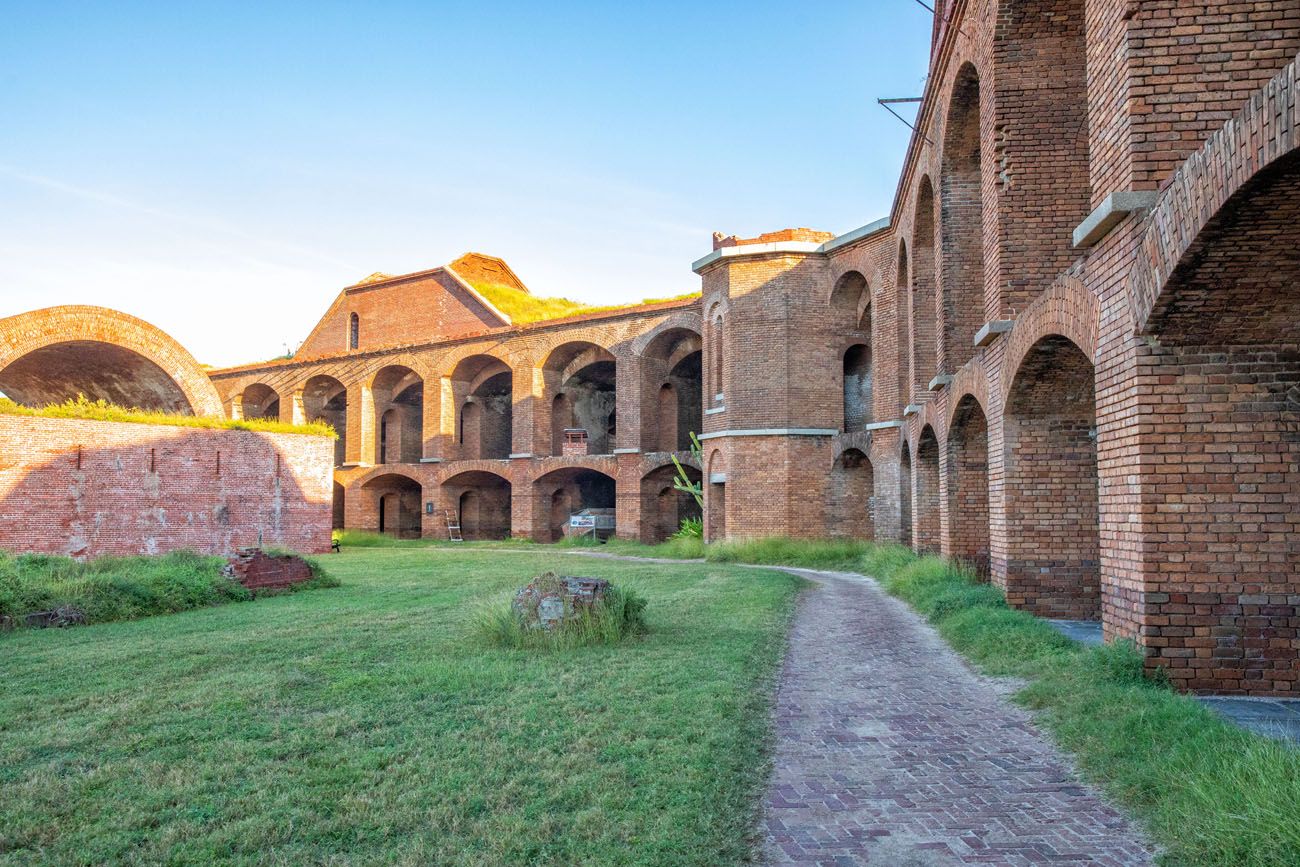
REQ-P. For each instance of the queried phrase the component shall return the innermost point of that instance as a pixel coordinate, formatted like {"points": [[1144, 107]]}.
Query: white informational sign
{"points": [[582, 522]]}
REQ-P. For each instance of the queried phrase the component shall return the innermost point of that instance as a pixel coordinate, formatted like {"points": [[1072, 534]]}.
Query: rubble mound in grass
{"points": [[565, 611]]}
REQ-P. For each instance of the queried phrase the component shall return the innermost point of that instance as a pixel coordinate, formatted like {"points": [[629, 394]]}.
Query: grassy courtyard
{"points": [[369, 724]]}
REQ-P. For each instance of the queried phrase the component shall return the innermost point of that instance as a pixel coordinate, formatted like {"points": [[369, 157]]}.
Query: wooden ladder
{"points": [[453, 528]]}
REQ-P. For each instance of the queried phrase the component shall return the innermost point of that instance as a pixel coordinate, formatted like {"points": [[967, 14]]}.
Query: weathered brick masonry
{"points": [[1083, 321], [1069, 356], [79, 488]]}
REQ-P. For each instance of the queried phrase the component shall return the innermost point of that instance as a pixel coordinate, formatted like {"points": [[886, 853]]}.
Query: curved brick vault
{"points": [[51, 355], [1219, 260]]}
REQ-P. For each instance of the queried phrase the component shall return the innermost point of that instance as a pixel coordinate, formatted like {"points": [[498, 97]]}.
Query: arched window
{"points": [[717, 357], [354, 332]]}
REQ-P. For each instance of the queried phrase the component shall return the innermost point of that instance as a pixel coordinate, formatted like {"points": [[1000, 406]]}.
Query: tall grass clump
{"points": [[780, 551], [619, 615], [121, 588]]}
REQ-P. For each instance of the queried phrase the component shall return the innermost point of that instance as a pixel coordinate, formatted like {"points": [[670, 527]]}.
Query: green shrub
{"points": [[691, 528], [122, 588], [618, 616]]}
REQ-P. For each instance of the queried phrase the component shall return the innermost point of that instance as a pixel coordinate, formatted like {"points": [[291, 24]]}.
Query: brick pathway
{"points": [[891, 751]]}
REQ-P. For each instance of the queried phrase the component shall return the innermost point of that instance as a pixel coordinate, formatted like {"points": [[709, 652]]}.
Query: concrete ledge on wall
{"points": [[430, 460], [772, 432], [351, 465], [990, 331], [1108, 214], [717, 478], [627, 451], [520, 455], [883, 425], [715, 410], [940, 381], [911, 409]]}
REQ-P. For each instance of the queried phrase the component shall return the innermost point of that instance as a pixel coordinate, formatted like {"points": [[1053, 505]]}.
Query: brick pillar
{"points": [[629, 401], [525, 510], [291, 409], [235, 408], [547, 383], [529, 386], [627, 496], [433, 413], [361, 425]]}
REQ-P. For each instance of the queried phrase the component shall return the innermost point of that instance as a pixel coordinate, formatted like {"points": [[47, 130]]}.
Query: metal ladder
{"points": [[453, 528]]}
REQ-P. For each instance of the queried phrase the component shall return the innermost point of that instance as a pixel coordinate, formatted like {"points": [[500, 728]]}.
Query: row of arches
{"points": [[579, 384], [978, 170], [1049, 537], [481, 503]]}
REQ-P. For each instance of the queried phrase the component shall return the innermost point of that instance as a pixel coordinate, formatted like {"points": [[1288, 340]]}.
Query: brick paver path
{"points": [[890, 751]]}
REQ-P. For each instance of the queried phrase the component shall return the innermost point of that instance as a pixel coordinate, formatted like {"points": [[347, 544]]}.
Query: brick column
{"points": [[432, 446], [291, 409], [235, 408], [529, 387], [361, 425]]}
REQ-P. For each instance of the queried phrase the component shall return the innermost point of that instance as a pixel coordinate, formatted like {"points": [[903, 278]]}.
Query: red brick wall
{"points": [[399, 312], [86, 488]]}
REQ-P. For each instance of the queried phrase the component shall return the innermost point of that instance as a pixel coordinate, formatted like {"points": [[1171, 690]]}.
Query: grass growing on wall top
{"points": [[82, 407], [523, 307]]}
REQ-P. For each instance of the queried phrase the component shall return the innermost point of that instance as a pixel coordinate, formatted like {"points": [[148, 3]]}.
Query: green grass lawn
{"points": [[368, 724]]}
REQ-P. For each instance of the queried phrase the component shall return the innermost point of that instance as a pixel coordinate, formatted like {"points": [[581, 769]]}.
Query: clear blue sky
{"points": [[223, 170]]}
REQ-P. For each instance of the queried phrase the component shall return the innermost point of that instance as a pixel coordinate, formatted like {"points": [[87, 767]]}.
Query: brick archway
{"points": [[51, 355], [1213, 194]]}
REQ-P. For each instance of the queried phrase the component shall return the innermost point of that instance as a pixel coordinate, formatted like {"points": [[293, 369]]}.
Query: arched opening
{"points": [[394, 507], [925, 311], [60, 372], [480, 502], [1050, 431], [962, 221], [850, 500], [851, 313], [968, 486], [584, 374], [354, 331], [903, 318], [562, 494], [717, 347], [1220, 401], [715, 498], [325, 399], [905, 496], [483, 388], [663, 507], [260, 401], [926, 505], [399, 406], [857, 387], [337, 509], [672, 391]]}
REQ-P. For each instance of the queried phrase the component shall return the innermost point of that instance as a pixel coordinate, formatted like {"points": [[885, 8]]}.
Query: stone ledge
{"points": [[990, 331], [940, 381], [1110, 212], [772, 432], [911, 409], [883, 425], [627, 451]]}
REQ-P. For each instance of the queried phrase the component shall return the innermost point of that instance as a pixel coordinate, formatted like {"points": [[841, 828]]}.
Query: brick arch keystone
{"points": [[28, 332], [1263, 132]]}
